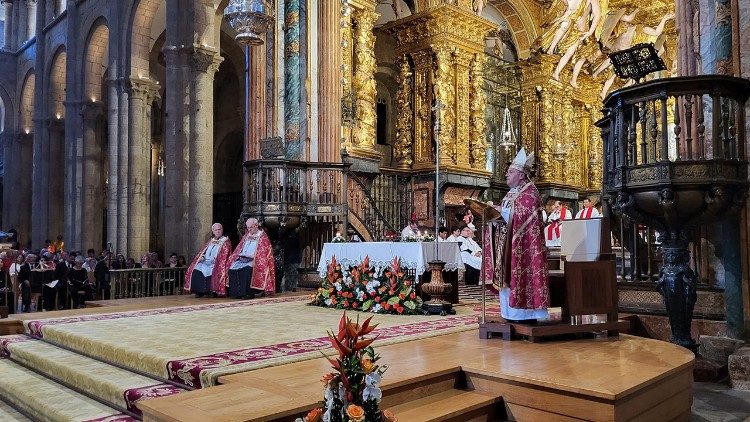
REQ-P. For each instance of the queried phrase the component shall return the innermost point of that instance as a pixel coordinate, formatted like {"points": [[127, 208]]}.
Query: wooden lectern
{"points": [[586, 286]]}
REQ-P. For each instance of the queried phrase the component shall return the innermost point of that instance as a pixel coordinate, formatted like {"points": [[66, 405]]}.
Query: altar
{"points": [[414, 256]]}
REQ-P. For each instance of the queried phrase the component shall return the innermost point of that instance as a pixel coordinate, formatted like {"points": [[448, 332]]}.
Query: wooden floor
{"points": [[620, 378]]}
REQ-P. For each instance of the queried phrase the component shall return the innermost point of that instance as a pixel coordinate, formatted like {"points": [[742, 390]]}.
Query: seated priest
{"points": [[588, 211], [207, 274], [554, 222], [471, 255], [411, 230], [521, 256], [251, 267], [442, 234], [455, 235]]}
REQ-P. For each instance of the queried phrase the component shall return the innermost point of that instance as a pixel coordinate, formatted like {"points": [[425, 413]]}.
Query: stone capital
{"points": [[204, 59], [6, 3], [143, 89], [30, 3]]}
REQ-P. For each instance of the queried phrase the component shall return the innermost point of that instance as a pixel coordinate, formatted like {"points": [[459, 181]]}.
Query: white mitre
{"points": [[523, 162]]}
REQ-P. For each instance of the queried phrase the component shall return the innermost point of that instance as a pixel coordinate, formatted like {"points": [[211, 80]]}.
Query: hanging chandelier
{"points": [[250, 18]]}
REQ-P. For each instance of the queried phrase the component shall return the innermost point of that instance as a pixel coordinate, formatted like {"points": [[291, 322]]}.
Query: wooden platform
{"points": [[617, 379]]}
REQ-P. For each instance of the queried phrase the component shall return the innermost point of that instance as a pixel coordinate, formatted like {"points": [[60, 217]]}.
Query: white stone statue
{"points": [[478, 7], [585, 27]]}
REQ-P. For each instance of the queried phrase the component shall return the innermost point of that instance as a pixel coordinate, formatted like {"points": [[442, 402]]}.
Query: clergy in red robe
{"points": [[554, 219], [252, 262], [520, 258], [208, 271], [588, 211]]}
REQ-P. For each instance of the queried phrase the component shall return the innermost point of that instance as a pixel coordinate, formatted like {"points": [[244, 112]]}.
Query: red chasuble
{"points": [[264, 267], [520, 261], [220, 272]]}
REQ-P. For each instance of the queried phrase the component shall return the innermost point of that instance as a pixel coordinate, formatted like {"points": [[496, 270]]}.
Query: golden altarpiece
{"points": [[545, 97]]}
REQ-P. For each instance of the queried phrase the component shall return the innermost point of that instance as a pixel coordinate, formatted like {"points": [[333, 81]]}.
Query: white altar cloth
{"points": [[413, 255]]}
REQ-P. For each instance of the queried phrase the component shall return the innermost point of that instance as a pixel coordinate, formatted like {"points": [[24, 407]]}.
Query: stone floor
{"points": [[719, 403]]}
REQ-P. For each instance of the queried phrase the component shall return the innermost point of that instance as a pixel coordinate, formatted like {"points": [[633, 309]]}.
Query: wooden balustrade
{"points": [[146, 282]]}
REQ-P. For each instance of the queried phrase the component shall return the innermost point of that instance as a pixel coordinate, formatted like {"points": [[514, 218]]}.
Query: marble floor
{"points": [[719, 403]]}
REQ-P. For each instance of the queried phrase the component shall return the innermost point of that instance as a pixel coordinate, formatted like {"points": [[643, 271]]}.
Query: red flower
{"points": [[377, 298], [401, 296], [346, 304], [412, 295], [400, 309]]}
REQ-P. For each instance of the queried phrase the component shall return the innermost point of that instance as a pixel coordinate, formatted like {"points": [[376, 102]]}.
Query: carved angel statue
{"points": [[478, 7], [585, 26], [564, 13], [398, 8]]}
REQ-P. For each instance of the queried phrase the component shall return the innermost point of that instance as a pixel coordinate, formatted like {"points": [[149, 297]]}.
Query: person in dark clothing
{"points": [[77, 282], [101, 274], [24, 280], [62, 266]]}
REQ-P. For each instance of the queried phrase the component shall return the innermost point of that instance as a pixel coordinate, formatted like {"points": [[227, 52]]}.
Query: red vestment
{"points": [[520, 254], [553, 229], [220, 272], [264, 266]]}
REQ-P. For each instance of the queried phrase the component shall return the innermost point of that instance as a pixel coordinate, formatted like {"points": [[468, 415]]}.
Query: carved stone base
{"points": [[677, 286]]}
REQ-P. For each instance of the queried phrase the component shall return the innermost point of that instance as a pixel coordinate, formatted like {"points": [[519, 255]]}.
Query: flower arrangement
{"points": [[419, 237], [339, 238], [367, 289], [352, 393]]}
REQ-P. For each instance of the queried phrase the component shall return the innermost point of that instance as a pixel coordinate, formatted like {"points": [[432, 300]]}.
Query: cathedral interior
{"points": [[125, 123]]}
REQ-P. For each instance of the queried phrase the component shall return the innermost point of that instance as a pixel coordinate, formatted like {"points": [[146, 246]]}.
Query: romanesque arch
{"points": [[26, 122], [140, 34], [56, 81]]}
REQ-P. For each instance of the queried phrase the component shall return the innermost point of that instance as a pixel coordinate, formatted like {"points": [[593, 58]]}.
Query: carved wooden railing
{"points": [[282, 190], [146, 282], [378, 210]]}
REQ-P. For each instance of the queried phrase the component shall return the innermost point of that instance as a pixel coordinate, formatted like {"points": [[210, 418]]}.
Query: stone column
{"points": [[56, 188], [40, 183], [9, 160], [329, 81], [113, 154], [22, 24], [142, 92], [204, 64], [22, 197], [8, 34], [90, 229], [123, 165], [176, 159], [31, 6]]}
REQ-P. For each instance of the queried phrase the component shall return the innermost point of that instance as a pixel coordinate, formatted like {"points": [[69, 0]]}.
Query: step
{"points": [[450, 405], [9, 414], [46, 400], [106, 382]]}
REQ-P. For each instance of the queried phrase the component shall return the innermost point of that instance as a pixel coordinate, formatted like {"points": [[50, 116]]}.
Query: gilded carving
{"points": [[477, 138], [422, 105], [348, 101], [443, 91], [364, 79], [403, 147]]}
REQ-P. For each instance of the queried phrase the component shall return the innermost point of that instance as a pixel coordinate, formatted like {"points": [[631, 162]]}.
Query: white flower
{"points": [[372, 393], [376, 308], [299, 420], [328, 302], [373, 379]]}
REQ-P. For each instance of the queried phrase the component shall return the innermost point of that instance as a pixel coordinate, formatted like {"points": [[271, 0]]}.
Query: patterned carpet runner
{"points": [[189, 345]]}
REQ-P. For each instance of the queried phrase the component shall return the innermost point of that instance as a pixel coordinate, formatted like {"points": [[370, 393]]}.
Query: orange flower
{"points": [[315, 415], [355, 413], [389, 416], [327, 378], [367, 365]]}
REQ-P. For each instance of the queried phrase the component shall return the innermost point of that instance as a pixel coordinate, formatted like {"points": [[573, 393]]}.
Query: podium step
{"points": [[452, 405], [46, 400], [120, 387]]}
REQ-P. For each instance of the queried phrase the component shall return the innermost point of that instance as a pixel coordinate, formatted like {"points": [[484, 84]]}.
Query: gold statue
{"points": [[402, 149]]}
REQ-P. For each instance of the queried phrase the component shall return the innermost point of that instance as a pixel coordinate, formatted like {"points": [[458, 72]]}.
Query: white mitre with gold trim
{"points": [[523, 162]]}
